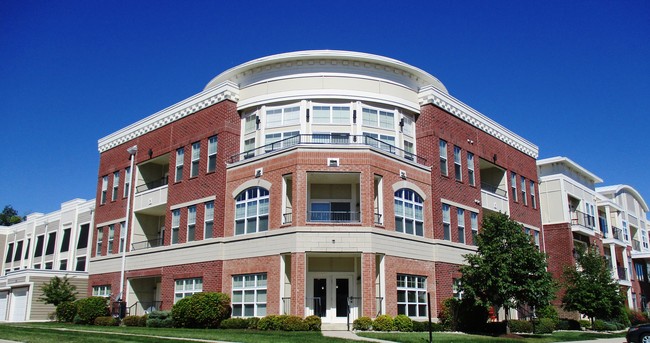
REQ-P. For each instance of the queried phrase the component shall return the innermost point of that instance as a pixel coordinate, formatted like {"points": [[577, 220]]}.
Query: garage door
{"points": [[3, 305], [18, 304]]}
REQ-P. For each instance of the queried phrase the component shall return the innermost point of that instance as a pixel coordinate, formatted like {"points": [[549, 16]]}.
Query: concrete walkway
{"points": [[351, 336]]}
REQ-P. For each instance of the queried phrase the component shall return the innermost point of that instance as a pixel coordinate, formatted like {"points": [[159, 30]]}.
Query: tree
{"points": [[58, 290], [590, 288], [9, 216], [507, 270]]}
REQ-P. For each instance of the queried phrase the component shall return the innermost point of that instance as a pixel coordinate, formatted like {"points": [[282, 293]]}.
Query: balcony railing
{"points": [[378, 218], [152, 243], [583, 219], [287, 218], [636, 245], [494, 189], [152, 184], [617, 233], [332, 139], [286, 305], [333, 216], [378, 303], [622, 273]]}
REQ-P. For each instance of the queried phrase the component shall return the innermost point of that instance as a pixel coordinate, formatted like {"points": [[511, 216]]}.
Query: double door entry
{"points": [[328, 295]]}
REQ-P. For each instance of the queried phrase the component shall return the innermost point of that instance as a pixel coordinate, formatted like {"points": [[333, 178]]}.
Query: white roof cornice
{"points": [[432, 95], [225, 91], [571, 164]]}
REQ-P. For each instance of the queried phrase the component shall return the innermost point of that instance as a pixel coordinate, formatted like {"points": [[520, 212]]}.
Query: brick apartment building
{"points": [[304, 183], [614, 218], [36, 250]]}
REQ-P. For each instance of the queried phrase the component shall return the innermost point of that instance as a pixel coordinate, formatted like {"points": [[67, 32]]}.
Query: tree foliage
{"points": [[590, 288], [507, 270], [58, 290], [9, 216]]}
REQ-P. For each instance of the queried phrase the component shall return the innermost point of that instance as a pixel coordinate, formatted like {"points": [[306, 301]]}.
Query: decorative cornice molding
{"points": [[431, 95], [193, 104]]}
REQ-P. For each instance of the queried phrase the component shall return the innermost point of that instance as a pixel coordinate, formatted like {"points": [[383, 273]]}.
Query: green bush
{"points": [[548, 311], [544, 325], [362, 324], [234, 323], [403, 323], [585, 323], [313, 323], [201, 310], [294, 323], [424, 327], [383, 323], [77, 320], [143, 320], [269, 323], [521, 326], [131, 321], [252, 323], [463, 315], [568, 324], [106, 321], [90, 308], [66, 311], [495, 328], [160, 319]]}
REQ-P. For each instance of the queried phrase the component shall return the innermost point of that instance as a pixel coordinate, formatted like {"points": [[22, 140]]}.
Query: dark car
{"points": [[638, 334]]}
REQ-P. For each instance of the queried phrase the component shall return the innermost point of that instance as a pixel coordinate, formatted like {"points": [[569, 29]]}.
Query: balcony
{"points": [[636, 245], [328, 139], [334, 216], [152, 243], [333, 198], [494, 198], [151, 185], [616, 237], [582, 223], [149, 200], [622, 273]]}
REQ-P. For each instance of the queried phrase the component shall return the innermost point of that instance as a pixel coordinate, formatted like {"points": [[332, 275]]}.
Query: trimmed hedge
{"points": [[424, 327], [88, 309], [568, 324], [160, 319], [66, 311], [201, 310], [106, 321], [403, 323], [134, 321], [521, 326], [544, 325], [362, 324], [313, 323], [383, 323], [234, 323]]}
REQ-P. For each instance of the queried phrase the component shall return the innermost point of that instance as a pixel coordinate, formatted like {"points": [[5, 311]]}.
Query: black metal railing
{"points": [[152, 243], [286, 305], [333, 216], [353, 302], [335, 139], [314, 304], [636, 245], [583, 219], [152, 184], [378, 304], [147, 307], [622, 273], [287, 218], [488, 187], [377, 218], [617, 233]]}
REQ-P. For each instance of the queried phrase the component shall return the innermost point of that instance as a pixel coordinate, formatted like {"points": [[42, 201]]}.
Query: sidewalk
{"points": [[352, 336]]}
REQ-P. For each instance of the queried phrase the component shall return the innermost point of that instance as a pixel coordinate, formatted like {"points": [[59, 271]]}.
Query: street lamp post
{"points": [[132, 151]]}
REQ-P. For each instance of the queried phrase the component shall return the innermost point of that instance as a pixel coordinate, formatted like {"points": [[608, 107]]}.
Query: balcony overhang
{"points": [[640, 255], [583, 230], [614, 241]]}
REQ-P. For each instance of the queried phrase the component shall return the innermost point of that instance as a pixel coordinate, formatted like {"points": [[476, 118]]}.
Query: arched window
{"points": [[408, 212], [252, 211]]}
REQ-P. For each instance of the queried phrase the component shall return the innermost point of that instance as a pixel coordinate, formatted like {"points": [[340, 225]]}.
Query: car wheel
{"points": [[645, 338]]}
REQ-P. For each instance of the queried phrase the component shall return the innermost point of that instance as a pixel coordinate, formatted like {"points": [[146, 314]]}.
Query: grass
{"points": [[421, 337]]}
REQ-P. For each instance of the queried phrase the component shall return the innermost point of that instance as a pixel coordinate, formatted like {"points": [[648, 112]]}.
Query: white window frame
{"points": [[460, 216], [111, 239], [473, 218], [444, 168], [122, 236], [376, 117], [196, 156], [455, 286], [249, 292], [116, 184], [208, 219], [524, 196], [446, 222], [458, 164], [471, 177], [104, 189], [409, 212], [212, 154], [285, 114], [100, 241], [250, 122], [248, 203], [176, 224], [407, 129], [186, 287], [180, 158], [127, 181], [533, 198], [414, 288], [102, 291], [513, 185], [331, 111], [191, 223]]}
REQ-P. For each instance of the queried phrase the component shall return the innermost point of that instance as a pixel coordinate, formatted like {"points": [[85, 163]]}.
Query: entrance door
{"points": [[3, 305], [329, 294], [320, 297]]}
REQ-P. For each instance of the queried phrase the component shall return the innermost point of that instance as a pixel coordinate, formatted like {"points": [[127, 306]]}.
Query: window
{"points": [[412, 295], [625, 233], [249, 295], [19, 251], [276, 117], [331, 114], [191, 223], [407, 129], [409, 150], [473, 217], [461, 225], [196, 155], [513, 185], [186, 287], [384, 142], [65, 243], [51, 242], [524, 198], [122, 236], [100, 238], [127, 181], [533, 201], [176, 222], [10, 253], [102, 291], [446, 222], [252, 211], [81, 264], [82, 242], [408, 212], [48, 265], [212, 154], [470, 169], [180, 154], [275, 141], [209, 220], [111, 238], [26, 256], [644, 239], [458, 294], [63, 265], [104, 189], [377, 118], [116, 183], [639, 271], [40, 241], [250, 123], [458, 166], [249, 148], [443, 158]]}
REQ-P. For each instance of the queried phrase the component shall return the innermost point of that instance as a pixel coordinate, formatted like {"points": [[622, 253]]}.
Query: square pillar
{"points": [[298, 283], [368, 291]]}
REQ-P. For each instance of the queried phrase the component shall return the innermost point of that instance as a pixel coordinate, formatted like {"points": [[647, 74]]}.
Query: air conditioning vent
{"points": [[332, 162]]}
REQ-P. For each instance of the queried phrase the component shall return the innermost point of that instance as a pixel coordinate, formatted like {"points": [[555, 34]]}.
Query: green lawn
{"points": [[421, 337]]}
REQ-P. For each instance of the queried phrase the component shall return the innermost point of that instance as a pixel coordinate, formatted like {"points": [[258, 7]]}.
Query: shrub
{"points": [[294, 323], [270, 322], [252, 323], [234, 323], [143, 320], [314, 323], [383, 323], [201, 310], [131, 321], [362, 324], [548, 311], [636, 317], [106, 321], [521, 326], [403, 323], [160, 319], [463, 315], [90, 308], [495, 328], [77, 320], [544, 325], [585, 324], [568, 324], [66, 311]]}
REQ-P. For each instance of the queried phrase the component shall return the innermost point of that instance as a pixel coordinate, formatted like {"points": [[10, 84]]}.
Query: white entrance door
{"points": [[19, 304], [3, 305], [328, 296]]}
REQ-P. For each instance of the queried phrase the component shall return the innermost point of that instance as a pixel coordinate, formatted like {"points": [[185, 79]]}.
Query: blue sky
{"points": [[573, 77]]}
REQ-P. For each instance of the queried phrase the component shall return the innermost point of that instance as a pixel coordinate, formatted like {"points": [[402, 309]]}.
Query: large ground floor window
{"points": [[412, 295], [102, 291], [186, 287], [249, 295]]}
